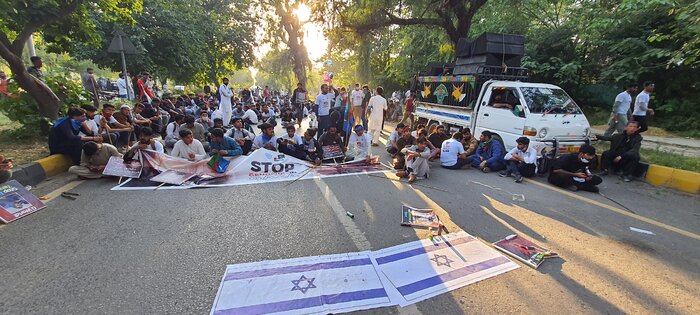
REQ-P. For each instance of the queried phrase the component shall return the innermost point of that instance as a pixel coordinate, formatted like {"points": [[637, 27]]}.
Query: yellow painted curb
{"points": [[55, 164], [670, 177]]}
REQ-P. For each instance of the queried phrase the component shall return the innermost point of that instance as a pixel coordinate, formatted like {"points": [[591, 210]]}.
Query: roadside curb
{"points": [[682, 180], [39, 170]]}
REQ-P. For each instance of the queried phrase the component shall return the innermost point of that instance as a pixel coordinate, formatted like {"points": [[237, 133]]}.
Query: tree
{"points": [[212, 38], [284, 26], [61, 22]]}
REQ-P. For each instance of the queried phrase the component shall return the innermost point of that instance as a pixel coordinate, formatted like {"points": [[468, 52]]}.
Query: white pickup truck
{"points": [[510, 109]]}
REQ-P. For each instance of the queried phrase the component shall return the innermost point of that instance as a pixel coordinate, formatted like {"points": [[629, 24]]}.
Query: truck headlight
{"points": [[543, 133]]}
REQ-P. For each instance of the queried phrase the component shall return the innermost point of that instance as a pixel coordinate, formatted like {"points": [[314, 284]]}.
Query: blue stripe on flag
{"points": [[423, 250], [294, 269], [451, 275], [306, 302]]}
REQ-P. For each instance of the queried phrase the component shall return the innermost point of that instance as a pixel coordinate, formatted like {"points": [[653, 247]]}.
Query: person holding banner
{"points": [[146, 142], [93, 160], [223, 145], [292, 144], [188, 147]]}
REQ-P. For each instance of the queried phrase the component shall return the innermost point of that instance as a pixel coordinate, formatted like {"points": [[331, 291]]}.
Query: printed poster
{"points": [[16, 201]]}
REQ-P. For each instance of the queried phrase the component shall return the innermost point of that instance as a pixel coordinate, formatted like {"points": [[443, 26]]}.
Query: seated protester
{"points": [[93, 160], [419, 129], [92, 124], [469, 143], [520, 161], [110, 126], [140, 120], [391, 147], [188, 147], [268, 115], [417, 157], [287, 117], [148, 117], [157, 114], [489, 154], [436, 139], [241, 135], [204, 120], [223, 145], [291, 144], [64, 138], [572, 171], [218, 123], [124, 117], [332, 148], [146, 142], [172, 131], [238, 111], [216, 113], [452, 154], [405, 140], [624, 151], [250, 117], [198, 131], [266, 139], [359, 144], [5, 169], [312, 147]]}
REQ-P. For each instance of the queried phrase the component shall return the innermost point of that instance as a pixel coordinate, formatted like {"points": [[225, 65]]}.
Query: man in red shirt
{"points": [[408, 111], [3, 85], [145, 93]]}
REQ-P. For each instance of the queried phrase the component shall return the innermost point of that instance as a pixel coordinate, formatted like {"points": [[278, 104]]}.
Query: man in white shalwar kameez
{"points": [[225, 104], [376, 107]]}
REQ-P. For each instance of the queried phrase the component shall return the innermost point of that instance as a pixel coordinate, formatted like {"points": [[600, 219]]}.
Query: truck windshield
{"points": [[549, 101]]}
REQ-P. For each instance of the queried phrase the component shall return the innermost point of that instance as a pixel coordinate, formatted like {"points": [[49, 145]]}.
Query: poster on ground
{"points": [[117, 167], [261, 166], [419, 217], [16, 202], [524, 250]]}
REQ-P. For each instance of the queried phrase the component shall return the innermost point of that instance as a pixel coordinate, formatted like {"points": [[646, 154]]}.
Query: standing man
{"points": [[624, 151], [408, 111], [225, 103], [520, 161], [3, 85], [121, 86], [618, 118], [375, 114], [356, 98], [35, 69], [365, 101], [90, 84], [299, 97], [323, 109], [641, 106]]}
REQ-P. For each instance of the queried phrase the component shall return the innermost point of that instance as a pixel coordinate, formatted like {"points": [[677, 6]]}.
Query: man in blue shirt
{"points": [[489, 154], [225, 146]]}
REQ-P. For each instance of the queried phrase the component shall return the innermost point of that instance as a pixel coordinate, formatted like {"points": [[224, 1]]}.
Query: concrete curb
{"points": [[39, 170], [682, 180]]}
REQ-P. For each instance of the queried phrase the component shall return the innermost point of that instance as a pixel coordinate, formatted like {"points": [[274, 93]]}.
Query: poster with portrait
{"points": [[16, 202]]}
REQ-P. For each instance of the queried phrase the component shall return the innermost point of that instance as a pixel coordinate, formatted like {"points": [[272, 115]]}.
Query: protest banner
{"points": [[16, 202], [261, 166], [117, 167]]}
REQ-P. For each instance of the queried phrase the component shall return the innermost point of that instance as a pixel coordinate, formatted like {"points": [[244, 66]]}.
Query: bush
{"points": [[22, 108]]}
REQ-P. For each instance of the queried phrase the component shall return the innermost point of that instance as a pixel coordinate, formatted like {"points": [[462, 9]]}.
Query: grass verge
{"points": [[22, 149], [658, 157]]}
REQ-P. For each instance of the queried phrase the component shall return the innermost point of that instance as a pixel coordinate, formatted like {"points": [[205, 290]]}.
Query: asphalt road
{"points": [[139, 252]]}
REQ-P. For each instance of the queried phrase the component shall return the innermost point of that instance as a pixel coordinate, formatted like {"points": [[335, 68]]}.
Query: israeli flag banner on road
{"points": [[423, 269], [308, 285]]}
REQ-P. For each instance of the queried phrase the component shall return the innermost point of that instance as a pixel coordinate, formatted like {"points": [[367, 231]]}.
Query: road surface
{"points": [[158, 252]]}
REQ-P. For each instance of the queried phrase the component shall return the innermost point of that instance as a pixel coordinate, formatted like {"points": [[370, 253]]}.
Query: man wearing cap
{"points": [[225, 103], [359, 145], [266, 139], [573, 171]]}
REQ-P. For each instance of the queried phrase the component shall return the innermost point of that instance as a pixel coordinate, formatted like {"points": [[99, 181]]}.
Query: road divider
{"points": [[41, 169]]}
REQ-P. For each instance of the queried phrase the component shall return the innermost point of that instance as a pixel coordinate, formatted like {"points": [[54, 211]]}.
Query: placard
{"points": [[117, 167], [16, 201]]}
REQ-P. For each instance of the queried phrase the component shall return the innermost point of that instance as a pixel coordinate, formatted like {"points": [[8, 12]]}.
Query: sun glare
{"points": [[303, 12]]}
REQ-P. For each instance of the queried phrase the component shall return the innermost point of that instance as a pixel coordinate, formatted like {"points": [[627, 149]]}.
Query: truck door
{"points": [[502, 112]]}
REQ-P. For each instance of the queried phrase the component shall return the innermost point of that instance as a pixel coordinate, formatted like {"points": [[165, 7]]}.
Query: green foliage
{"points": [[185, 40], [22, 108]]}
